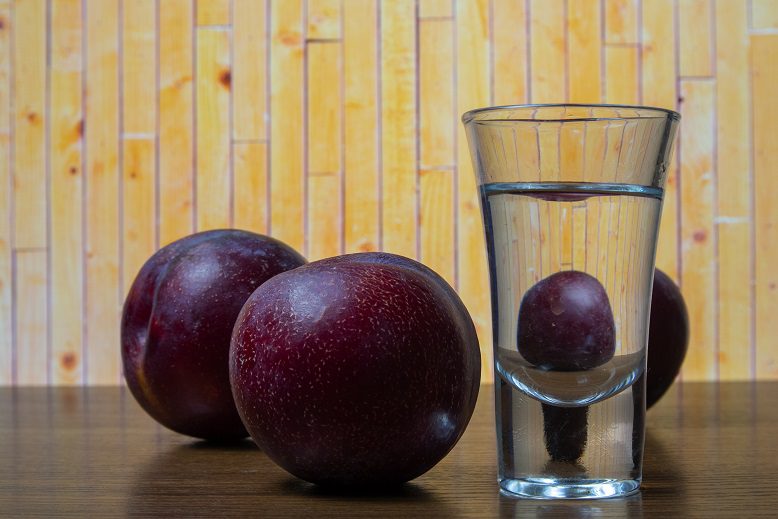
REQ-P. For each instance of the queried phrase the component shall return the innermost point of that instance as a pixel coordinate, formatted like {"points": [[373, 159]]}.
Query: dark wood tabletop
{"points": [[711, 450]]}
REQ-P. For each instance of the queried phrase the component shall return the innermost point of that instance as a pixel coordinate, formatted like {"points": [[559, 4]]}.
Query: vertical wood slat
{"points": [[29, 185], [658, 56], [659, 89], [214, 168], [531, 247], [733, 164], [764, 14], [436, 93], [324, 103], [594, 149], [435, 9], [627, 238], [31, 318], [6, 271], [65, 191], [138, 187], [565, 232], [139, 115], [436, 222], [324, 145], [251, 186], [103, 297], [695, 41], [398, 116], [362, 204], [505, 258], [176, 120], [324, 17], [698, 262], [579, 225], [436, 146], [547, 51], [548, 144], [212, 12], [139, 127], [764, 77], [509, 46], [584, 53], [609, 212], [472, 87], [29, 178], [630, 235], [571, 161], [286, 130], [621, 75], [621, 21], [324, 224], [249, 70]]}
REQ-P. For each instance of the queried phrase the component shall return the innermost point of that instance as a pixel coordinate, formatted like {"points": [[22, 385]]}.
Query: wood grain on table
{"points": [[710, 452]]}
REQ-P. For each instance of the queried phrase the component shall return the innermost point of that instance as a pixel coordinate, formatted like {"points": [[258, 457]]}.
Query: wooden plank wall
{"points": [[334, 126]]}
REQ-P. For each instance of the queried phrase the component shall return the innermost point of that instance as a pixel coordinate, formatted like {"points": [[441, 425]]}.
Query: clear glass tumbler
{"points": [[571, 197]]}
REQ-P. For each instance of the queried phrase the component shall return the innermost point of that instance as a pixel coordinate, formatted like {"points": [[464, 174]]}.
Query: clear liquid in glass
{"points": [[575, 433]]}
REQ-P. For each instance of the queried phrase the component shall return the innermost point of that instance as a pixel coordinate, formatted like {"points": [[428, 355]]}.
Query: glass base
{"points": [[553, 488]]}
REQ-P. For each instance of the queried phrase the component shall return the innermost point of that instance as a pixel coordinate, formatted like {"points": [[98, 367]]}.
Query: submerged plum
{"points": [[566, 323]]}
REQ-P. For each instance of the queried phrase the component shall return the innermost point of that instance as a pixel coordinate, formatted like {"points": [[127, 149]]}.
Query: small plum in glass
{"points": [[355, 371], [566, 323], [177, 322]]}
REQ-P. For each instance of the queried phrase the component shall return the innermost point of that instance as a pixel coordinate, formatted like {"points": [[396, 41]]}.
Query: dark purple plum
{"points": [[668, 337], [566, 323], [386, 258], [355, 371], [177, 322]]}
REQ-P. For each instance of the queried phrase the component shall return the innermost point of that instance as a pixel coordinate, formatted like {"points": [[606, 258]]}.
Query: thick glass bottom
{"points": [[551, 488]]}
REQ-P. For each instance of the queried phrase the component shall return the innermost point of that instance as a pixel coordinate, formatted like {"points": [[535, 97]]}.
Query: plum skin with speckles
{"points": [[566, 323], [177, 322], [360, 370]]}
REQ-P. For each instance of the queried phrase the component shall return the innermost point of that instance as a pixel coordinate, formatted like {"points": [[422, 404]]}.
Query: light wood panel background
{"points": [[334, 126]]}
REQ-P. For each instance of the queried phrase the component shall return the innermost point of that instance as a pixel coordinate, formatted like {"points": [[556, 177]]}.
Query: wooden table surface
{"points": [[711, 450]]}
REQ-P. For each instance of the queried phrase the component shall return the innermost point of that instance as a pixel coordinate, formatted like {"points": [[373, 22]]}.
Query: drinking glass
{"points": [[571, 197]]}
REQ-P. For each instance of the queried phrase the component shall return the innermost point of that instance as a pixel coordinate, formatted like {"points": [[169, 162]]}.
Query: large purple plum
{"points": [[355, 371], [566, 323], [668, 337], [177, 323], [386, 258]]}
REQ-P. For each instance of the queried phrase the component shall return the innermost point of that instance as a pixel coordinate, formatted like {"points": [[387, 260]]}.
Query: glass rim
{"points": [[661, 113]]}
